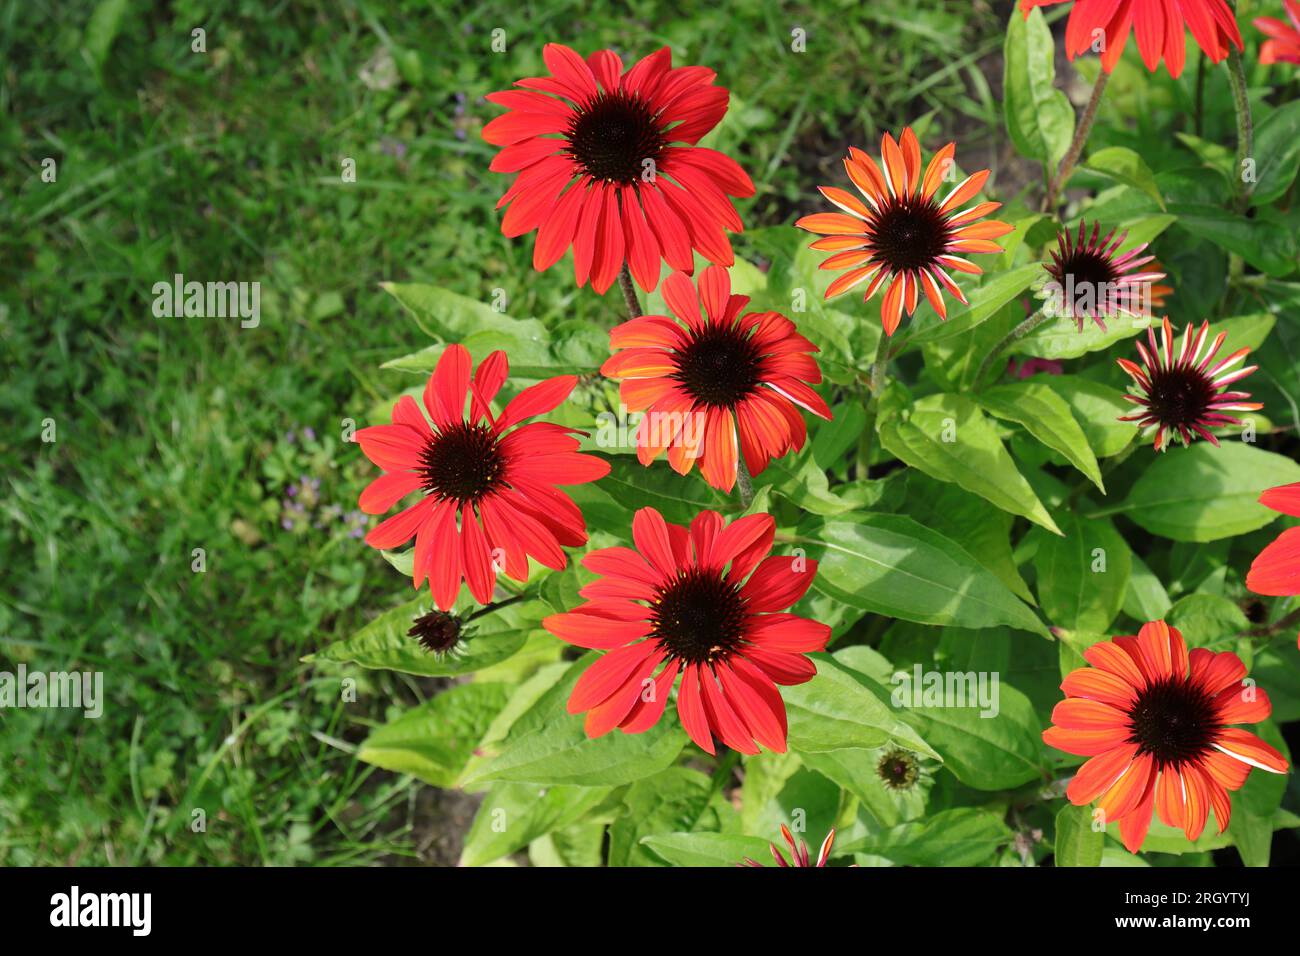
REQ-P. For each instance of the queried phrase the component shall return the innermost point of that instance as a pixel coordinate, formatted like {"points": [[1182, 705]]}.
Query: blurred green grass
{"points": [[174, 434]]}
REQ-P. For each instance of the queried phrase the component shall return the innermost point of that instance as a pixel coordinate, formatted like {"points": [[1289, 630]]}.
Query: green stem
{"points": [[744, 484], [629, 292], [722, 772], [1245, 127], [1199, 112], [1015, 335], [1286, 623], [1076, 145], [494, 606], [876, 385]]}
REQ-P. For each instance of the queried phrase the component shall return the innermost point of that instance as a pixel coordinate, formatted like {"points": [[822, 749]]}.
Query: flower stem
{"points": [[1015, 335], [1245, 128], [1285, 624], [1199, 112], [1076, 145], [629, 292], [876, 384], [487, 609], [744, 484]]}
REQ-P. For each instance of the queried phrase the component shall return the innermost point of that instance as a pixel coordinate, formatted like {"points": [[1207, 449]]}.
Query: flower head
{"points": [[904, 238], [1276, 570], [607, 163], [1158, 24], [1155, 721], [715, 384], [798, 851], [487, 482], [1185, 396], [438, 632], [898, 769], [1283, 43], [1092, 279], [704, 603]]}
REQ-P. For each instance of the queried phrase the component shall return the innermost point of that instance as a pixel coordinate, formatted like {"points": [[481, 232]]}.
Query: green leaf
{"points": [[450, 317], [1265, 243], [548, 745], [435, 740], [857, 771], [1076, 842], [1125, 166], [1207, 619], [1277, 146], [1146, 598], [1047, 417], [1097, 409], [837, 710], [489, 639], [948, 437], [1203, 493], [962, 837], [580, 844], [102, 29], [677, 498], [669, 802], [1039, 117], [996, 751], [708, 849], [1082, 577], [982, 532], [766, 775], [993, 292], [1061, 337], [512, 815], [890, 565], [832, 439]]}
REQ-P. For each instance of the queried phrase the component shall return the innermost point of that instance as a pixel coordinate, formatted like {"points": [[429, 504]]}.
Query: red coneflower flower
{"points": [[1283, 43], [1092, 279], [623, 143], [724, 381], [1155, 721], [1276, 570], [905, 236], [702, 602], [491, 474], [1186, 396], [798, 852], [1158, 24]]}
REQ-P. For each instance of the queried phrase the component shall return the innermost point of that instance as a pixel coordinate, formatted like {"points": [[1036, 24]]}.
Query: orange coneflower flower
{"points": [[1276, 570], [1154, 720], [608, 164], [1185, 396], [1158, 24], [798, 851], [703, 602], [904, 236], [723, 385], [1092, 279], [1283, 43], [493, 475]]}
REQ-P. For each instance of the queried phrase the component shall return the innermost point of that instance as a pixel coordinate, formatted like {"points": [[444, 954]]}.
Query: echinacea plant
{"points": [[884, 602]]}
